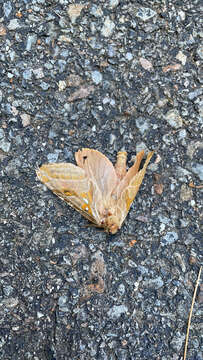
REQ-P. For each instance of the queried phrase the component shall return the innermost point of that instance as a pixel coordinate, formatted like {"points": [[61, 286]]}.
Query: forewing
{"points": [[98, 168], [70, 183], [130, 191]]}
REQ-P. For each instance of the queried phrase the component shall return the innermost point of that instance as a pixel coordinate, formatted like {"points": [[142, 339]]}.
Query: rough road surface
{"points": [[109, 75]]}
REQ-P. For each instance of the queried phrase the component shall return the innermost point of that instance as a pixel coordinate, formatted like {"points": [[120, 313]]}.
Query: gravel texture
{"points": [[108, 75]]}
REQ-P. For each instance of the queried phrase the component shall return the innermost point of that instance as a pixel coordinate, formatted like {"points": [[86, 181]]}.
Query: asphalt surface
{"points": [[108, 75]]}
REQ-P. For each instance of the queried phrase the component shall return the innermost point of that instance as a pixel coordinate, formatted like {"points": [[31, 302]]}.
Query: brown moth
{"points": [[101, 192]]}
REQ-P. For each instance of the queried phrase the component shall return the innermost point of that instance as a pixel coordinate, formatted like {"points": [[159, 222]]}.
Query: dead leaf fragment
{"points": [[157, 177], [158, 186], [96, 283], [174, 67], [74, 11], [80, 252], [81, 93], [2, 30]]}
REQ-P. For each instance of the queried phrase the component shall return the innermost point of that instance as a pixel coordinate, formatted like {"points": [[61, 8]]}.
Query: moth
{"points": [[101, 192]]}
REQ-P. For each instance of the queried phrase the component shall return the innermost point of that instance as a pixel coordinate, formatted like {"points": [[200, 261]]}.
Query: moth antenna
{"points": [[120, 165]]}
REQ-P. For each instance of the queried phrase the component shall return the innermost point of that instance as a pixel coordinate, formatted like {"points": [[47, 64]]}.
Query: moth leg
{"points": [[120, 165]]}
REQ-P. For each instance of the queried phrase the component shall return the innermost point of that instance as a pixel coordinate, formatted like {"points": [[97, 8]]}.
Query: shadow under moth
{"points": [[101, 192]]}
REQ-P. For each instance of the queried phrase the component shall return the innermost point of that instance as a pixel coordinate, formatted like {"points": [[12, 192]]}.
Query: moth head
{"points": [[112, 224]]}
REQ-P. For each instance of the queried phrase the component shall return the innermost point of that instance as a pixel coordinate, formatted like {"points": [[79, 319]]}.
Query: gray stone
{"points": [[7, 8], [129, 56], [169, 238], [108, 27], [117, 310], [173, 118], [52, 134], [121, 289], [31, 40], [96, 11], [13, 24], [62, 300], [27, 74], [111, 51], [2, 134], [198, 170], [44, 85], [177, 341], [182, 174], [182, 134], [156, 283], [192, 147], [113, 3], [141, 146], [5, 145], [39, 314], [53, 157], [10, 302], [145, 13], [96, 77], [194, 94], [142, 124], [8, 290], [200, 51], [38, 73], [74, 11], [163, 219]]}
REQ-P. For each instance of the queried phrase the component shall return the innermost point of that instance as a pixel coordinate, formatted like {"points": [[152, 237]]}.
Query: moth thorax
{"points": [[120, 165], [112, 224]]}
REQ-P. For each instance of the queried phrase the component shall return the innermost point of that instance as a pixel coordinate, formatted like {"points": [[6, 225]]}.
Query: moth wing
{"points": [[132, 171], [130, 191], [71, 184], [98, 168]]}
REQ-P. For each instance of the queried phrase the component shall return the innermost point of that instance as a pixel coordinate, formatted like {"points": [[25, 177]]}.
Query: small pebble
{"points": [[44, 85], [173, 118], [108, 27], [7, 8], [197, 169], [14, 24], [169, 238], [96, 77], [31, 40], [25, 119], [145, 13], [117, 310]]}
